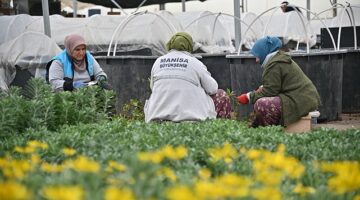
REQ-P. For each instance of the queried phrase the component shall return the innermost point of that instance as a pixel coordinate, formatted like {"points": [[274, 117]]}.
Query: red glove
{"points": [[243, 98]]}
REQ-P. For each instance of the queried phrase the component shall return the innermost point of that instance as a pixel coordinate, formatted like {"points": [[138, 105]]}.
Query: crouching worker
{"points": [[287, 94], [75, 67], [182, 88]]}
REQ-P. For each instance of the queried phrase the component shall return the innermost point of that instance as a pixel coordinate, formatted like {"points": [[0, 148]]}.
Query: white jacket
{"points": [[180, 86]]}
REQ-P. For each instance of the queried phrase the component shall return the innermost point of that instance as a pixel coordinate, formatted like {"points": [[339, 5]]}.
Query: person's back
{"points": [[179, 91], [182, 88]]}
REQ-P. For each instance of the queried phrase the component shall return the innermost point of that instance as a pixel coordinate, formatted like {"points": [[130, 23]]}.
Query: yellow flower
{"points": [[17, 169], [281, 148], [155, 157], [269, 177], [180, 193], [346, 178], [178, 153], [168, 173], [25, 150], [83, 164], [113, 193], [37, 144], [302, 190], [205, 189], [253, 154], [204, 173], [234, 180], [266, 193], [35, 159], [233, 185], [63, 192], [117, 166], [13, 191], [227, 153], [357, 197], [46, 167], [69, 151]]}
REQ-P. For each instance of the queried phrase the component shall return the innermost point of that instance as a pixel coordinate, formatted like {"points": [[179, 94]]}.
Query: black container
{"points": [[219, 67], [129, 76], [324, 68], [22, 76], [351, 82], [346, 38], [245, 76]]}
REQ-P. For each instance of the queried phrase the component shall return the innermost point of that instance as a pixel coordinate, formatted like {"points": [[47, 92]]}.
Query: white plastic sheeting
{"points": [[13, 26], [145, 30], [96, 30], [29, 51], [207, 31], [255, 31], [343, 18], [290, 26]]}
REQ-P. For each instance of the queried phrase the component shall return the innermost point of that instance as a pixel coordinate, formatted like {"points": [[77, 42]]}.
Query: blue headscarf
{"points": [[265, 46]]}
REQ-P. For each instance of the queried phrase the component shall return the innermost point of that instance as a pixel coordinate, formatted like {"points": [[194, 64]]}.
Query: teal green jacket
{"points": [[283, 77]]}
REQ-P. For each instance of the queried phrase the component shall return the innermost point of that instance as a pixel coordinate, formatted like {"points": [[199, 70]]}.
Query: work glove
{"points": [[79, 84], [259, 89], [244, 98], [103, 83]]}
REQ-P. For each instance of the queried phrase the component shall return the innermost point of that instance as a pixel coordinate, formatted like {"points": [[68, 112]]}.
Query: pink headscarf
{"points": [[72, 41]]}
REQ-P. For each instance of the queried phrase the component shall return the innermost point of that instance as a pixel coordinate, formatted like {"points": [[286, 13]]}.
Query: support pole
{"points": [[308, 8], [46, 18], [183, 6], [237, 23], [117, 5], [74, 8]]}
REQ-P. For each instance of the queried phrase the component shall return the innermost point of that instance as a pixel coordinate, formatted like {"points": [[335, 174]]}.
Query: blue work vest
{"points": [[67, 64]]}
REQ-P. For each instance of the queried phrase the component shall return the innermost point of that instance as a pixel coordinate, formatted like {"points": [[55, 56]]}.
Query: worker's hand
{"points": [[105, 85], [79, 84], [244, 98], [259, 89]]}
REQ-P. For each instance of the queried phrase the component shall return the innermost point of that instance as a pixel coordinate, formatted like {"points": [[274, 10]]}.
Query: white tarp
{"points": [[343, 18], [96, 30], [254, 32], [146, 29], [29, 51], [13, 26], [290, 26], [207, 31]]}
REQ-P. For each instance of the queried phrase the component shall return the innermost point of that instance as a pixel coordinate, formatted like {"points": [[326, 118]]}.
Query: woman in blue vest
{"points": [[75, 67]]}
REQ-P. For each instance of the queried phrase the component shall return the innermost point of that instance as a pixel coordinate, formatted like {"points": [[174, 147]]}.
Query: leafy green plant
{"points": [[234, 102], [134, 110], [36, 106], [13, 111]]}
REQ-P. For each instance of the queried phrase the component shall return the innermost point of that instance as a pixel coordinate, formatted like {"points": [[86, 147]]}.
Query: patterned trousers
{"points": [[267, 112], [222, 103]]}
